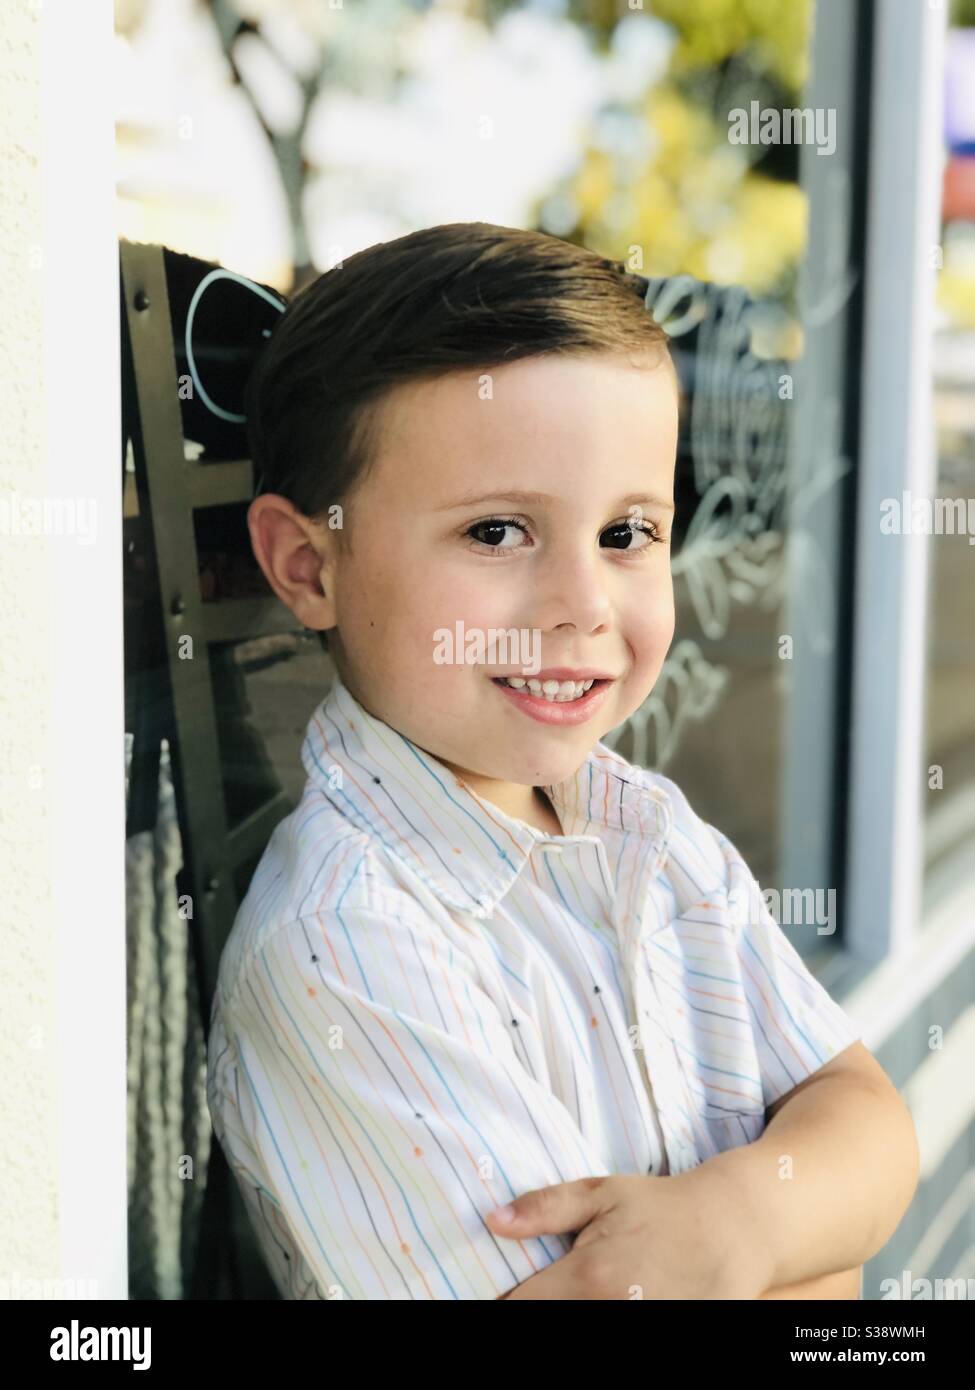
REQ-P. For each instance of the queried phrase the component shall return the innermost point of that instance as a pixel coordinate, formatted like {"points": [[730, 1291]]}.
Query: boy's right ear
{"points": [[297, 557]]}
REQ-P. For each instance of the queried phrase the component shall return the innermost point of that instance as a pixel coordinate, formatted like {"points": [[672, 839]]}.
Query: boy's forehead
{"points": [[531, 425]]}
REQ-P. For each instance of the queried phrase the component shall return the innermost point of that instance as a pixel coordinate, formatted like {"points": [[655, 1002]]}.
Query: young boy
{"points": [[486, 962]]}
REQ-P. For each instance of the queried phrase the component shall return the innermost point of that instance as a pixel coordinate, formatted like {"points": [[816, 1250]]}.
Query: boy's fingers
{"points": [[562, 1209], [559, 1281]]}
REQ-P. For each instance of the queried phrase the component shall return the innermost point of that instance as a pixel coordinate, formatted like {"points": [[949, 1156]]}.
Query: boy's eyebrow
{"points": [[534, 498]]}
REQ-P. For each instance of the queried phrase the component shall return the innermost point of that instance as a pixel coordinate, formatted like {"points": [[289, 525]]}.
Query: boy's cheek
{"points": [[649, 642], [649, 626]]}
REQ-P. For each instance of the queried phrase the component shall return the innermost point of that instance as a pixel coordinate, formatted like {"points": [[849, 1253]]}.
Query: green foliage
{"points": [[774, 34]]}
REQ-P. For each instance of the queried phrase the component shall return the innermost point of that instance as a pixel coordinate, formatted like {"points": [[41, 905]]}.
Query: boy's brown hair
{"points": [[463, 296]]}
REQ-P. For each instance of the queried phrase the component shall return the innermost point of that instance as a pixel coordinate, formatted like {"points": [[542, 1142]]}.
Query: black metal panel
{"points": [[189, 337]]}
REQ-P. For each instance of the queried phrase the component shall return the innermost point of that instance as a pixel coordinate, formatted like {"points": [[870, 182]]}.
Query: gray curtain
{"points": [[168, 1122]]}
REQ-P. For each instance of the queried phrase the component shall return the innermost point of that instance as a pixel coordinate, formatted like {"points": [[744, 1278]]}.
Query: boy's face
{"points": [[596, 438]]}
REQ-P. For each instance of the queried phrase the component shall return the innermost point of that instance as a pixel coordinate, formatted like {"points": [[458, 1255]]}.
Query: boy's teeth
{"points": [[556, 691]]}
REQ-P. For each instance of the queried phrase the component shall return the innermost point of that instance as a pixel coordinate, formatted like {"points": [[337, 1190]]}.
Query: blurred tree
{"points": [[657, 181], [692, 202], [285, 138], [773, 36]]}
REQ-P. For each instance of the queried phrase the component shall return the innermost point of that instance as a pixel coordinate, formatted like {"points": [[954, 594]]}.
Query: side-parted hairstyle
{"points": [[463, 296]]}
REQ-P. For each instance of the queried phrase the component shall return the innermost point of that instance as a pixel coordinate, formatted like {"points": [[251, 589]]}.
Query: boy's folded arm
{"points": [[844, 1284], [383, 1108]]}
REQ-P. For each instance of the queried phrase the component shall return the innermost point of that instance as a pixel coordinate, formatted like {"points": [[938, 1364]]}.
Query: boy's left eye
{"points": [[622, 531]]}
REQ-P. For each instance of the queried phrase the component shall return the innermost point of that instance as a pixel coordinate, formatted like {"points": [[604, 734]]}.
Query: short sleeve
{"points": [[797, 1026], [381, 1108]]}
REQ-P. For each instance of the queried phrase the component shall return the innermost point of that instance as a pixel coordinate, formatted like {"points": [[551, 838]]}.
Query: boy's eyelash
{"points": [[648, 529]]}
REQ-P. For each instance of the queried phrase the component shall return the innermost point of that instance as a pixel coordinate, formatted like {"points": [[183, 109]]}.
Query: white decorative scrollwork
{"points": [[736, 545]]}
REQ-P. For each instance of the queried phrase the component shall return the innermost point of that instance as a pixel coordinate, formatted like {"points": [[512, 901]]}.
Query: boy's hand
{"points": [[678, 1237]]}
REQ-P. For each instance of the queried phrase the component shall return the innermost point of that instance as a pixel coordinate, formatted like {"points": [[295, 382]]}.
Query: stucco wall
{"points": [[28, 1097]]}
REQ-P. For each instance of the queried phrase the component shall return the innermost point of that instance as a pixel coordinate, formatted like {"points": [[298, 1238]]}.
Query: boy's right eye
{"points": [[497, 525]]}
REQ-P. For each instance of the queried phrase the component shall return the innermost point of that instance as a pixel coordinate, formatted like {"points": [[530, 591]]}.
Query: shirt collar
{"points": [[466, 850]]}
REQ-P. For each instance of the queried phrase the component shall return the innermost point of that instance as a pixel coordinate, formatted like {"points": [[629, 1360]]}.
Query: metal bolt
{"points": [[141, 301]]}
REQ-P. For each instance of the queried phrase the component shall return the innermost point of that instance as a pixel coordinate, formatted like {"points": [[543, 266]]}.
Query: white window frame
{"points": [[897, 454]]}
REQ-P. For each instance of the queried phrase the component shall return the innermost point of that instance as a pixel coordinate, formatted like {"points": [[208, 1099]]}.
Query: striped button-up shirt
{"points": [[427, 1007]]}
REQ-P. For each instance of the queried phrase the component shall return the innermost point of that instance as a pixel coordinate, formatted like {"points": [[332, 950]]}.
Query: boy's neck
{"points": [[544, 817], [535, 809]]}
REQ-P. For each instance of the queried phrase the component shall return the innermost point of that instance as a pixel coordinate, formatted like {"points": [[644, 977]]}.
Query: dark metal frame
{"points": [[179, 704]]}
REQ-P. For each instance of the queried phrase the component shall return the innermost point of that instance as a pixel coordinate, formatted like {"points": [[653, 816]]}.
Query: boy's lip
{"points": [[565, 713], [557, 673]]}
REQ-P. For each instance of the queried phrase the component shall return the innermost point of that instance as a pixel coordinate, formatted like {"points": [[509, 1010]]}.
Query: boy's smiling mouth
{"points": [[564, 701]]}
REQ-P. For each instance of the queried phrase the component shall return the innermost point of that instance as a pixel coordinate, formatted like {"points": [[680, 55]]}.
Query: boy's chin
{"points": [[547, 774]]}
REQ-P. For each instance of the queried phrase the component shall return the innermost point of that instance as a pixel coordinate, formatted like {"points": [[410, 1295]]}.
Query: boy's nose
{"points": [[573, 589]]}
